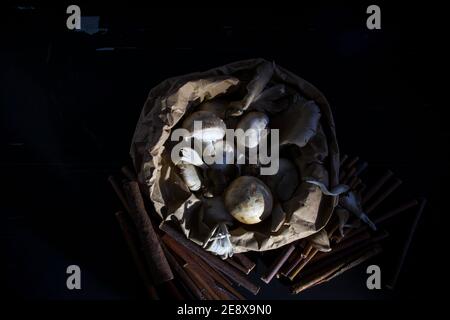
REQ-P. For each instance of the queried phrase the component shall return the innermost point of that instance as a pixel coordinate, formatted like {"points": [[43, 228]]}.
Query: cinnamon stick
{"points": [[157, 262], [133, 247], [188, 282], [338, 255], [213, 261], [277, 264], [297, 260], [388, 215], [203, 268], [300, 267], [244, 261], [342, 245], [339, 267]]}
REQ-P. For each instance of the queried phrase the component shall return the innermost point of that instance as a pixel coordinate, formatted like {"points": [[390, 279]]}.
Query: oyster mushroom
{"points": [[248, 200], [284, 183], [253, 124], [210, 127]]}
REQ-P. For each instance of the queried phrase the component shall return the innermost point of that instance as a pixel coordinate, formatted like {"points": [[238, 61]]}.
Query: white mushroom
{"points": [[253, 125], [248, 200], [190, 175], [205, 126], [218, 154]]}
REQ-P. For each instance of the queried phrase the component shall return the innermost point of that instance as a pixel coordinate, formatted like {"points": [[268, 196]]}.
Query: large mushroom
{"points": [[248, 200]]}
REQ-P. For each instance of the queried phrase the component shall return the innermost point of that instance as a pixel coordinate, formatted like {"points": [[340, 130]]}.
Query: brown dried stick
{"points": [[157, 262], [278, 263], [300, 267], [190, 284], [133, 247], [205, 269], [245, 261], [213, 261], [339, 267], [388, 215], [297, 260], [237, 265]]}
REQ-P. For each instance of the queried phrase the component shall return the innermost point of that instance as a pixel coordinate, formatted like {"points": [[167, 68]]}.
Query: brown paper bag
{"points": [[307, 131]]}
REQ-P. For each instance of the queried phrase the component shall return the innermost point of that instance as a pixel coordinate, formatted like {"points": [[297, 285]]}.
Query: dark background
{"points": [[68, 112]]}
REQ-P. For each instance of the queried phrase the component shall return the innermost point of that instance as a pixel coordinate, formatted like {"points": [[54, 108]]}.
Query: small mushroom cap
{"points": [[252, 124], [248, 200], [212, 127]]}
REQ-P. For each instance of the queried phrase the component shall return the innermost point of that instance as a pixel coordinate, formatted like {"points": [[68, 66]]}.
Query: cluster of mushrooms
{"points": [[231, 191]]}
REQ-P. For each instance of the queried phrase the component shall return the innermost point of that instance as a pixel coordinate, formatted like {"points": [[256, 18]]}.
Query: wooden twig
{"points": [[339, 267], [342, 245], [133, 247], [393, 282], [237, 265], [213, 261], [184, 277], [157, 262], [205, 269], [339, 255], [304, 262], [297, 260], [278, 263], [392, 213], [244, 261]]}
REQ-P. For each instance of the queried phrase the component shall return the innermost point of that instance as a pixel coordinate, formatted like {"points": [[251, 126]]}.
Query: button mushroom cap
{"points": [[252, 124], [212, 127], [248, 200]]}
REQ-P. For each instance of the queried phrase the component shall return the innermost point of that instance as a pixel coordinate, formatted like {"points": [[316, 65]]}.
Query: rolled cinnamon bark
{"points": [[272, 271], [158, 266], [213, 261], [133, 247]]}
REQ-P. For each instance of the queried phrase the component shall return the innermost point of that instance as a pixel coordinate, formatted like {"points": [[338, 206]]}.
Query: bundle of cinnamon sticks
{"points": [[307, 266], [171, 265]]}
